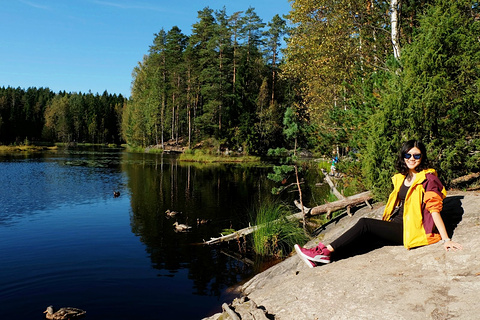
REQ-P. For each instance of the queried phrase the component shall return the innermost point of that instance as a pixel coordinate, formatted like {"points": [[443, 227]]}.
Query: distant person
{"points": [[411, 216], [333, 169]]}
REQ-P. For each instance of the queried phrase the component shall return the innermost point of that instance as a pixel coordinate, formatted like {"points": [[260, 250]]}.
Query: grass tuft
{"points": [[276, 235]]}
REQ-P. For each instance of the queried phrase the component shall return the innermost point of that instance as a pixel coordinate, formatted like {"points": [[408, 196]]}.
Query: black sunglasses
{"points": [[417, 156]]}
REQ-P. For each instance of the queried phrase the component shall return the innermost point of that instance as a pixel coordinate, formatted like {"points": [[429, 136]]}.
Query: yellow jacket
{"points": [[424, 196]]}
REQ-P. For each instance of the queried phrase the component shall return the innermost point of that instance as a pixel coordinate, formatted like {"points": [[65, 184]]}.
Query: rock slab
{"points": [[385, 283]]}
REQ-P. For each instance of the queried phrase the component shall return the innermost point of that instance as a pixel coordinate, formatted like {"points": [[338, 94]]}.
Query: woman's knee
{"points": [[363, 221]]}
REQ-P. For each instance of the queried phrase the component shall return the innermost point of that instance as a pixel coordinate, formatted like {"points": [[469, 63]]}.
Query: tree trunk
{"points": [[172, 136], [189, 117], [332, 186], [274, 66], [465, 179], [326, 208], [395, 25]]}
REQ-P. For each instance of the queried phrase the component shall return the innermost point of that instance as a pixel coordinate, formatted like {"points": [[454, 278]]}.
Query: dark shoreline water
{"points": [[65, 240]]}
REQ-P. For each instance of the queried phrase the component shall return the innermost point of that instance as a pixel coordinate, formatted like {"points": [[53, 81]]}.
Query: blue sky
{"points": [[93, 45]]}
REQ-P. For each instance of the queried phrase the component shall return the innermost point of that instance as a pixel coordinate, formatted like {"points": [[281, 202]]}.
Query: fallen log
{"points": [[335, 192], [347, 202], [246, 231], [467, 178], [233, 236], [325, 208], [332, 186]]}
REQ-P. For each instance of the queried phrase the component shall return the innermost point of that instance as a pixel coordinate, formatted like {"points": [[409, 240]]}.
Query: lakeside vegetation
{"points": [[358, 82], [28, 148], [209, 158], [276, 234]]}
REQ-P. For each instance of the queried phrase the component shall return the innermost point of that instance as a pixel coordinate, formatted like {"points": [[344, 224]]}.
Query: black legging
{"points": [[385, 230]]}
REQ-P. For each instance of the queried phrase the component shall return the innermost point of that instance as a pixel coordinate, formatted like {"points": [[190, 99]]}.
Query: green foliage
{"points": [[209, 157], [135, 149], [290, 129], [287, 158], [379, 154], [42, 115], [227, 231], [209, 84], [433, 98], [325, 165], [276, 235]]}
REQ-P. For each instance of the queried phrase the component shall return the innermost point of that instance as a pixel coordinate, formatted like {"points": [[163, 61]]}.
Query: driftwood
{"points": [[467, 178], [246, 231], [328, 208], [335, 193], [347, 202], [332, 186], [234, 235], [325, 208]]}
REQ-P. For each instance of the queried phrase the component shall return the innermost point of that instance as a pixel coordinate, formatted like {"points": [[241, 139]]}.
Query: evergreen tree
{"points": [[175, 45], [204, 44], [225, 69], [441, 85], [434, 99], [156, 86], [277, 29]]}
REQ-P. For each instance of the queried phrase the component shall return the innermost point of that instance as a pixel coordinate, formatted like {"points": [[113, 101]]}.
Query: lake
{"points": [[65, 240]]}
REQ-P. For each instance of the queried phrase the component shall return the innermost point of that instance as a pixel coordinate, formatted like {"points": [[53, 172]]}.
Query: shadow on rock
{"points": [[452, 213]]}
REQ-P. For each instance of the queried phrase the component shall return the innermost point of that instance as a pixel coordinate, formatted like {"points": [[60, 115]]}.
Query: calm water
{"points": [[65, 240]]}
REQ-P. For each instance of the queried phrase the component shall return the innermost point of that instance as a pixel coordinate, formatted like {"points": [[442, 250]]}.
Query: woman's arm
{"points": [[448, 244]]}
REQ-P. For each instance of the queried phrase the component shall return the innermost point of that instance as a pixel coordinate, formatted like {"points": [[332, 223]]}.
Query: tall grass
{"points": [[206, 157], [276, 235]]}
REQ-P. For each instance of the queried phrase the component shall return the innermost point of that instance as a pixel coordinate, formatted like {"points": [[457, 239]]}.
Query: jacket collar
{"points": [[419, 178]]}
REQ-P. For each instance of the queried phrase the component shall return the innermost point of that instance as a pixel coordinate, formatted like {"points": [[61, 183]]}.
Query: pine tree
{"points": [[441, 85], [434, 98], [175, 46]]}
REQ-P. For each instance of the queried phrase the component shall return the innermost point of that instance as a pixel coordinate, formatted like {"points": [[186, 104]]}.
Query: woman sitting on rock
{"points": [[412, 213]]}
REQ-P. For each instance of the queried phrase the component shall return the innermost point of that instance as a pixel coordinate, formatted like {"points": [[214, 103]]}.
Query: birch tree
{"points": [[395, 6]]}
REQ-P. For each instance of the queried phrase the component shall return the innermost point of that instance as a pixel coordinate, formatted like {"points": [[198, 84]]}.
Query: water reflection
{"points": [[111, 255], [221, 194], [40, 181]]}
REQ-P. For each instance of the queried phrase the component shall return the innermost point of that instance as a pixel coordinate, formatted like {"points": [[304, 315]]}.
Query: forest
{"points": [[360, 77], [38, 115]]}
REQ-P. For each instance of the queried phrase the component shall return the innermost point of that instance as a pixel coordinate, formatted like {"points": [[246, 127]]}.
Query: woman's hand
{"points": [[449, 244]]}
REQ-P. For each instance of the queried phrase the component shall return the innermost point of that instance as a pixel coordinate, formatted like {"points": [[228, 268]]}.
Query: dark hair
{"points": [[400, 164]]}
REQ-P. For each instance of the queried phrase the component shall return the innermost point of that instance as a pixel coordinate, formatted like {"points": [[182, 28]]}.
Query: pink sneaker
{"points": [[318, 254], [309, 263]]}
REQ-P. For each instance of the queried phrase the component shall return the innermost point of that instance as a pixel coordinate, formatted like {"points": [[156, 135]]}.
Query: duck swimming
{"points": [[170, 213], [202, 221], [181, 227], [116, 194], [67, 313]]}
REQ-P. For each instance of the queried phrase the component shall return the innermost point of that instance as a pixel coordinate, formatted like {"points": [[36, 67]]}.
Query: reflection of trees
{"points": [[210, 276], [223, 194]]}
